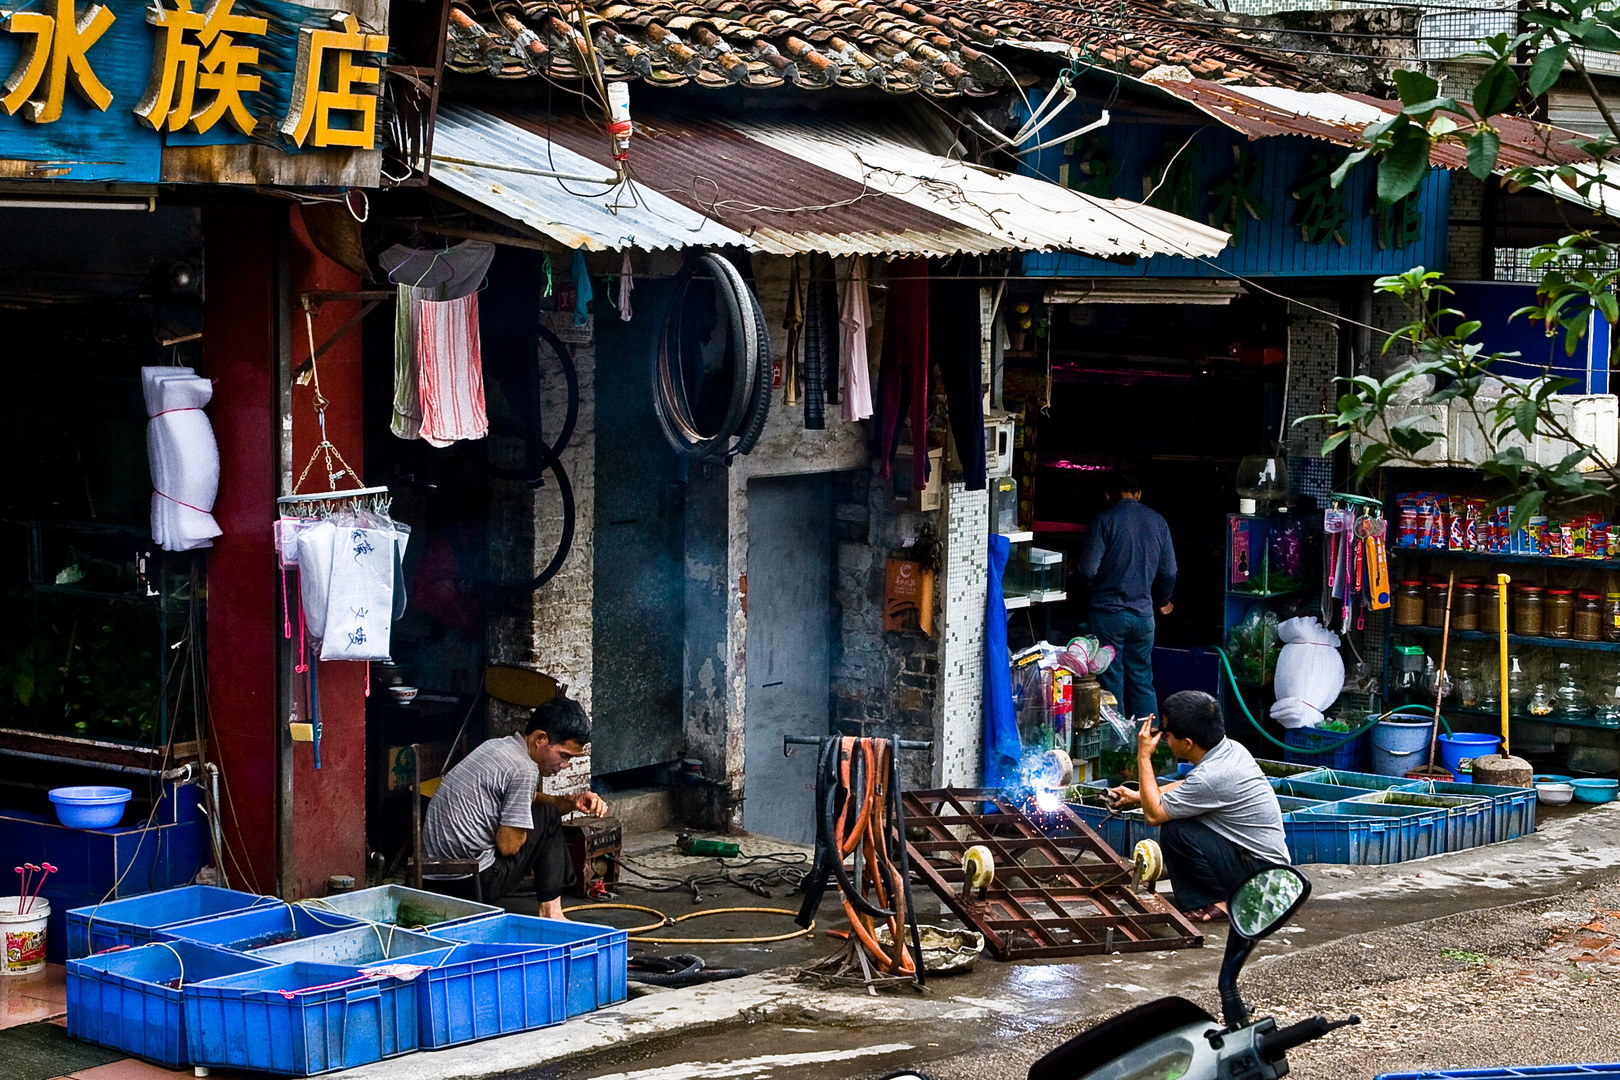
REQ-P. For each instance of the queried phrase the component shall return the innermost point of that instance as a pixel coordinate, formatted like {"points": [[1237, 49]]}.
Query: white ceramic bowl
{"points": [[404, 695], [1554, 794]]}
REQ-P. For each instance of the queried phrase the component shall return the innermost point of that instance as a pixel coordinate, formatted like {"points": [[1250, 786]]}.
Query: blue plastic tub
{"points": [[597, 957], [357, 946], [412, 908], [1595, 791], [93, 807], [482, 990], [1468, 817], [1542, 1072], [128, 999], [1308, 789], [258, 929], [299, 1019], [1461, 748], [1513, 810], [1364, 780], [1366, 835], [1283, 769], [1352, 755], [136, 920]]}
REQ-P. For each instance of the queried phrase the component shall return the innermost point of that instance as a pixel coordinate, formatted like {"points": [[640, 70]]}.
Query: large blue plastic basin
{"points": [[92, 807]]}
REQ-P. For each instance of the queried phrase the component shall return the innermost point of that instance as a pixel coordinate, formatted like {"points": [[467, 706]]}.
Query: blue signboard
{"points": [[95, 90], [1493, 304], [1271, 194]]}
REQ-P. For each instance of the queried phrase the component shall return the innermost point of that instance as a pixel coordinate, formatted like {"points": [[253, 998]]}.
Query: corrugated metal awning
{"points": [[783, 186]]}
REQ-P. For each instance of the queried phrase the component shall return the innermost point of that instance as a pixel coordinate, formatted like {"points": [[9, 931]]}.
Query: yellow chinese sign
{"points": [[207, 66]]}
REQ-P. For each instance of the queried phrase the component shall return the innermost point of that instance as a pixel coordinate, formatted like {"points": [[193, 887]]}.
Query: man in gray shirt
{"points": [[1221, 823], [490, 807]]}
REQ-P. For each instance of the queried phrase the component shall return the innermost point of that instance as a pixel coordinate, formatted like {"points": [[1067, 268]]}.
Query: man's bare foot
{"points": [[552, 909], [1207, 914]]}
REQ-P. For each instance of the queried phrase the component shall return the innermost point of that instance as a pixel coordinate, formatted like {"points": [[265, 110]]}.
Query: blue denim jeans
{"points": [[1130, 677]]}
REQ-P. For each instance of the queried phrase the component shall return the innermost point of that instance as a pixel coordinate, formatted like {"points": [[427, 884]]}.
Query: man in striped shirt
{"points": [[490, 807]]}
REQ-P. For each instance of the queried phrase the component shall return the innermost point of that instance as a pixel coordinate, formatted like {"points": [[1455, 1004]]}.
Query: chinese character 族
{"points": [[318, 93], [56, 57], [197, 50]]}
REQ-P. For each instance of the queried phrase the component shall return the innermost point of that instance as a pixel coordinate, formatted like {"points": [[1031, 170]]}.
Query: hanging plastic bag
{"points": [[347, 571], [1310, 673]]}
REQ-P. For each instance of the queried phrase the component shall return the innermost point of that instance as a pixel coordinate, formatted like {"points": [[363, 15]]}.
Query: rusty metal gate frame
{"points": [[1074, 868]]}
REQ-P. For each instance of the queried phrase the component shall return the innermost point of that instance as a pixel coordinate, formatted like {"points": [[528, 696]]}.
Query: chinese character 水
{"points": [[56, 57]]}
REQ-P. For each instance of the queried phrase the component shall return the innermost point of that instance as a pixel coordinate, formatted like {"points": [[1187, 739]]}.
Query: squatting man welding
{"points": [[1220, 824], [490, 807]]}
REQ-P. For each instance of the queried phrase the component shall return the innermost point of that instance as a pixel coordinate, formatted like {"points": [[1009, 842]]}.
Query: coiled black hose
{"points": [[750, 395]]}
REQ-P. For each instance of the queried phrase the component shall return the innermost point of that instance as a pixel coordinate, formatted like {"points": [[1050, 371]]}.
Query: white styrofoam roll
{"points": [[1310, 673]]}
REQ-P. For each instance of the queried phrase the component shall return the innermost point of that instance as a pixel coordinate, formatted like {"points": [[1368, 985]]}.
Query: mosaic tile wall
{"points": [[961, 705]]}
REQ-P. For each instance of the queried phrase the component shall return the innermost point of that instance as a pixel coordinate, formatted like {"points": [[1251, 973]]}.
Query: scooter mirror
{"points": [[1265, 900]]}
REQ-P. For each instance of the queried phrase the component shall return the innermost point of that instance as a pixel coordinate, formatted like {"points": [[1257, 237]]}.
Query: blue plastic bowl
{"points": [[90, 807], [1595, 791], [1551, 778]]}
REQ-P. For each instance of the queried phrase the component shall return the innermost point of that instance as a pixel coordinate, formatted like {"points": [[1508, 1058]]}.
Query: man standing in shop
{"points": [[1129, 563], [490, 807]]}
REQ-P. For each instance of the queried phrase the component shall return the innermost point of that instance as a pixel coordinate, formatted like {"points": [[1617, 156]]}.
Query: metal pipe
{"points": [[181, 772], [1101, 121], [213, 823]]}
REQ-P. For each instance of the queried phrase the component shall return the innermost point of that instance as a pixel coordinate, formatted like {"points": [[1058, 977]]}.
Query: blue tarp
{"points": [[1001, 746]]}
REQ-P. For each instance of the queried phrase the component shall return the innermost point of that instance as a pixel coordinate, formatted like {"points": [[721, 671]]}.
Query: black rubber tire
{"points": [[759, 406]]}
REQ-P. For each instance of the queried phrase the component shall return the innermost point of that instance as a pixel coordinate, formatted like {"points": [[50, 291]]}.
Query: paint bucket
{"points": [[1399, 746], [23, 935], [1461, 748]]}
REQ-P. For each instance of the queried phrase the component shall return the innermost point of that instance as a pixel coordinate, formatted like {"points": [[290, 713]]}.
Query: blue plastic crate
{"points": [[373, 944], [1513, 810], [299, 1019], [598, 962], [481, 990], [126, 999], [1119, 831], [1363, 780], [1352, 755], [1314, 838], [1468, 818], [1545, 1072], [261, 927], [139, 919], [1392, 834]]}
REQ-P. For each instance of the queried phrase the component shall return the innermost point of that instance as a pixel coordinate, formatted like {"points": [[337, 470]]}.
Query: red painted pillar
{"points": [[329, 804], [244, 614]]}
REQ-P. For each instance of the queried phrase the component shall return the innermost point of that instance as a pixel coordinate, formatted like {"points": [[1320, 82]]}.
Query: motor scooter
{"points": [[1173, 1039]]}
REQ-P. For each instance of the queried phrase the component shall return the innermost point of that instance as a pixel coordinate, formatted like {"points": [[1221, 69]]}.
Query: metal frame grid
{"points": [[1053, 895]]}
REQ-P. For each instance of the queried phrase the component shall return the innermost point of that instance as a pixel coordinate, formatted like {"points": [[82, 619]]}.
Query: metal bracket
{"points": [[790, 741]]}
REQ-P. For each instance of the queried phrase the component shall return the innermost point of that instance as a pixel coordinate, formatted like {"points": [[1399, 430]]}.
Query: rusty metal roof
{"points": [[1262, 111], [942, 48], [788, 184]]}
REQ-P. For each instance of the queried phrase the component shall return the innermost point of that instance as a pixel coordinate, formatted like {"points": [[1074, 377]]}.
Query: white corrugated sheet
{"points": [[993, 210], [596, 217], [1026, 213]]}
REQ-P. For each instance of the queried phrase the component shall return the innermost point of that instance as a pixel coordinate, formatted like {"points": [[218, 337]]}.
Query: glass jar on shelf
{"points": [[1465, 605], [1489, 607], [1409, 603], [1559, 617], [1520, 687], [1464, 674], [1611, 617], [1527, 611], [1606, 709], [1434, 608], [1587, 622], [1542, 704], [1490, 683], [1572, 702]]}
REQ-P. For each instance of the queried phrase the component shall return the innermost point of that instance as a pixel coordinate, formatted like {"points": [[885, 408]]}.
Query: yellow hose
{"points": [[663, 920], [724, 940]]}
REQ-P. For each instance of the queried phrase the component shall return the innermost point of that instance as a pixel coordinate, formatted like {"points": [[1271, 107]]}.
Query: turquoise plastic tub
{"points": [[1362, 780], [400, 906], [299, 1020], [597, 957], [1595, 791], [1307, 789], [359, 946], [133, 999]]}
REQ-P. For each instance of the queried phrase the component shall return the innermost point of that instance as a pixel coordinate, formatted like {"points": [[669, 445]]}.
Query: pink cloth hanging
{"points": [[856, 319], [450, 370]]}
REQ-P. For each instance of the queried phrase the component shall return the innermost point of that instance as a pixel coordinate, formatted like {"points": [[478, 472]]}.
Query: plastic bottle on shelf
{"points": [[1519, 687]]}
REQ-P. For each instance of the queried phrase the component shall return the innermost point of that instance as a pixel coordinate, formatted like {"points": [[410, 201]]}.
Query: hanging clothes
{"points": [[184, 458], [855, 320], [451, 376], [903, 374], [627, 282], [793, 323], [582, 289], [433, 274], [954, 346], [818, 328], [832, 332]]}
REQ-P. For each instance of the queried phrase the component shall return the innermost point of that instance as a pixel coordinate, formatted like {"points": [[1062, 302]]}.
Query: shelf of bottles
{"points": [[1547, 683]]}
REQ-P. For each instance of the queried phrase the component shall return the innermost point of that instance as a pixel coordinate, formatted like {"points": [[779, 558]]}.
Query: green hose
{"points": [[1350, 737]]}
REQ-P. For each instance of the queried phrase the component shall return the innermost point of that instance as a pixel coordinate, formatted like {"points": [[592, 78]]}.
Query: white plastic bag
{"points": [[1310, 673], [347, 572]]}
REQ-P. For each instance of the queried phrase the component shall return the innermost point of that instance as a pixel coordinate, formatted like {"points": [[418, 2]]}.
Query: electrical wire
{"points": [[789, 870]]}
